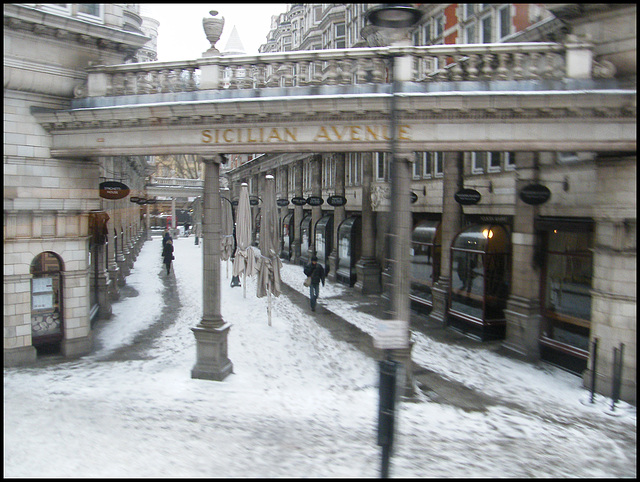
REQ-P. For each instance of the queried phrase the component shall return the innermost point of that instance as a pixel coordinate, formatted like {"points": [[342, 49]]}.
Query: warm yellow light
{"points": [[487, 233]]}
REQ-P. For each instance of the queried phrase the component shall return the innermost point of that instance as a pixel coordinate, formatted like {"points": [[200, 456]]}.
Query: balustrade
{"points": [[438, 63]]}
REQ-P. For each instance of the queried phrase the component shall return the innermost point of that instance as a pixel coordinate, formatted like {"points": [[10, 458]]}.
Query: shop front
{"points": [[305, 239], [349, 249], [480, 276], [46, 301], [288, 235], [425, 264], [565, 292], [324, 237]]}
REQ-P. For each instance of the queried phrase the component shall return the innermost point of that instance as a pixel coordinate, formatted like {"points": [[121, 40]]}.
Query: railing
{"points": [[438, 63], [175, 182]]}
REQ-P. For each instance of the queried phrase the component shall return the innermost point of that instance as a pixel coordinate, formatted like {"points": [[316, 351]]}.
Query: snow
{"points": [[299, 403]]}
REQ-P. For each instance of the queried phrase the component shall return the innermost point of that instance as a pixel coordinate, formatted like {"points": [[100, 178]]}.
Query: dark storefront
{"points": [[305, 239], [480, 274], [349, 246], [425, 264], [565, 292], [324, 238], [288, 235]]}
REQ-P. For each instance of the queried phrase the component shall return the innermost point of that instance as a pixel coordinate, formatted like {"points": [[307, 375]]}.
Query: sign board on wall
{"points": [[113, 190]]}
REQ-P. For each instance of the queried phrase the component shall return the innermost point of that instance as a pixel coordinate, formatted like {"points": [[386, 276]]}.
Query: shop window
{"points": [[567, 288], [480, 258], [46, 299], [425, 261]]}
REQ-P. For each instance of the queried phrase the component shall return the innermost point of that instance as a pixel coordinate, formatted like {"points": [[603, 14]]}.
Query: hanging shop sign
{"points": [[315, 201], [253, 201], [535, 194], [134, 199], [113, 190], [467, 197], [299, 201], [414, 197], [336, 201], [282, 202]]}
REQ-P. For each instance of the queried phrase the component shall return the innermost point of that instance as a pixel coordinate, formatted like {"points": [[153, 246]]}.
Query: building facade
{"points": [[533, 248], [67, 250]]}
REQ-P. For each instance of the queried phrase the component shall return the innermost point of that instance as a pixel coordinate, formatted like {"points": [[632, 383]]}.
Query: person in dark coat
{"points": [[167, 254], [165, 238], [316, 272]]}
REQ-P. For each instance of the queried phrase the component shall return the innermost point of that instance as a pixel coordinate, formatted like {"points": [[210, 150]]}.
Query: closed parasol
{"points": [[244, 262]]}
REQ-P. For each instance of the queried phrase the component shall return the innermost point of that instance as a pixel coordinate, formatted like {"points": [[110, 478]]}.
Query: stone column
{"points": [[614, 293], [523, 306], [367, 268], [316, 190], [99, 278], [211, 333], [112, 263], [451, 225], [298, 211], [174, 234], [338, 214], [148, 222]]}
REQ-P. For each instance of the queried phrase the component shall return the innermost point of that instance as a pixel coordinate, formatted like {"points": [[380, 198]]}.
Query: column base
{"points": [[368, 276], [523, 328], [211, 353], [440, 300], [76, 347], [23, 355]]}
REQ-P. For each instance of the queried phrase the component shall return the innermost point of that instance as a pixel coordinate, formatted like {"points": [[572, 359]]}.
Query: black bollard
{"points": [[594, 357], [386, 412], [617, 375]]}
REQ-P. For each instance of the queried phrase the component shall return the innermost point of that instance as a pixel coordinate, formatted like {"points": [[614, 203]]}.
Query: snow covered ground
{"points": [[299, 403]]}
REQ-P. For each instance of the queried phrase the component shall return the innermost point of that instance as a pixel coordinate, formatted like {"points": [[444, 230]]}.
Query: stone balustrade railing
{"points": [[436, 63], [176, 182]]}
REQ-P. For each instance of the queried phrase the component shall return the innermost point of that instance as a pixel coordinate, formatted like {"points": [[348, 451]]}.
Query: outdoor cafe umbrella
{"points": [[245, 256], [269, 264], [226, 234]]}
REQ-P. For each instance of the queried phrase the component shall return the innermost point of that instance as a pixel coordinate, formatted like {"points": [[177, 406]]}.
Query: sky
{"points": [[299, 403], [181, 36]]}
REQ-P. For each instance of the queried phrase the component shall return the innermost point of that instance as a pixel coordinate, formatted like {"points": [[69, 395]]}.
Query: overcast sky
{"points": [[181, 36]]}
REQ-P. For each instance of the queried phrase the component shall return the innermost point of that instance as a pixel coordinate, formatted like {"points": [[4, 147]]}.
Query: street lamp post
{"points": [[397, 19]]}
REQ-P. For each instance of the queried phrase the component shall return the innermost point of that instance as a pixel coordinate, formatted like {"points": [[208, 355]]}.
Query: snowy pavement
{"points": [[299, 403]]}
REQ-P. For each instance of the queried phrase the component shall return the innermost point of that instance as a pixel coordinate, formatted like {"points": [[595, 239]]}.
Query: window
{"points": [[380, 164], [485, 30], [353, 169], [439, 21], [416, 169], [504, 19], [339, 36], [416, 38], [494, 161], [426, 33], [478, 162], [509, 161], [317, 14], [427, 167], [469, 10], [438, 161], [470, 33], [92, 9]]}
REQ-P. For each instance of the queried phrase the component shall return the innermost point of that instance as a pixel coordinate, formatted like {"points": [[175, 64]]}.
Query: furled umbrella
{"points": [[245, 256], [226, 234], [269, 264]]}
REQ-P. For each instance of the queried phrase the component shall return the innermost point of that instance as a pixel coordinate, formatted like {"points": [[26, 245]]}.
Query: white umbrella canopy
{"points": [[269, 265], [226, 234], [245, 256]]}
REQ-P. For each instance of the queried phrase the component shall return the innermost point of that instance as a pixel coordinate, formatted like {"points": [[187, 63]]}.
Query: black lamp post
{"points": [[398, 18]]}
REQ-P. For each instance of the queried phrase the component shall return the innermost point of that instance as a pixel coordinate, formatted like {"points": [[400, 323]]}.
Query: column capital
{"points": [[213, 158]]}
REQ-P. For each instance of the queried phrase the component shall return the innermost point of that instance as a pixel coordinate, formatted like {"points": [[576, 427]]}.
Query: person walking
{"points": [[167, 254], [316, 272], [165, 238]]}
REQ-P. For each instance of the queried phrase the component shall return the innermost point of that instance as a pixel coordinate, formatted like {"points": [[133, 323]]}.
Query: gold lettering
{"points": [[322, 133], [292, 135], [274, 135], [249, 138], [374, 135], [261, 135], [217, 136], [239, 135], [355, 133], [224, 135], [404, 133], [338, 135], [206, 136]]}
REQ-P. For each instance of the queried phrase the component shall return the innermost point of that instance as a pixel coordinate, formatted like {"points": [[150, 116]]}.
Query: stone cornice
{"points": [[49, 25]]}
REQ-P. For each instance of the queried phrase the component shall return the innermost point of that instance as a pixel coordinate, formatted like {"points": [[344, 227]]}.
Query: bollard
{"points": [[386, 412], [594, 357], [617, 375]]}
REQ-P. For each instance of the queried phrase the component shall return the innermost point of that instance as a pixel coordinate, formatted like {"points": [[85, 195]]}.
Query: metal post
{"points": [[386, 410], [617, 375], [594, 357]]}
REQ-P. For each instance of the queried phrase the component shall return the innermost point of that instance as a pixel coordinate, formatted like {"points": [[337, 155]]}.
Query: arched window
{"points": [[480, 274], [46, 299]]}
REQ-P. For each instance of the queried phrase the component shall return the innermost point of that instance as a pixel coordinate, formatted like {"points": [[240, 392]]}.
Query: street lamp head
{"points": [[392, 15]]}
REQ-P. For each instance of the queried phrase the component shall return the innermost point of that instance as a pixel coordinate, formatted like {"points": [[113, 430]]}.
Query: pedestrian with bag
{"points": [[315, 275], [167, 254]]}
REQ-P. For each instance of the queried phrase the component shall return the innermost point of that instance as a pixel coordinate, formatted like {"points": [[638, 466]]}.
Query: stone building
{"points": [[66, 249], [534, 248]]}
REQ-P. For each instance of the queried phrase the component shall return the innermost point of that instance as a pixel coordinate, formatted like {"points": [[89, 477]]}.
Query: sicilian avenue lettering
{"points": [[332, 133]]}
